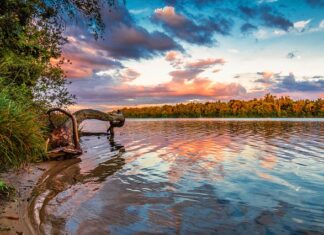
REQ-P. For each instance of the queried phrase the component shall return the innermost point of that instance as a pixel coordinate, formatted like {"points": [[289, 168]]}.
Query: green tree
{"points": [[31, 34]]}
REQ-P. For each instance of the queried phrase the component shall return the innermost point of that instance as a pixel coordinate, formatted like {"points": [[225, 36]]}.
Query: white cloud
{"points": [[321, 24], [138, 11], [301, 25], [233, 50], [266, 33], [261, 34], [279, 32], [319, 28], [105, 73]]}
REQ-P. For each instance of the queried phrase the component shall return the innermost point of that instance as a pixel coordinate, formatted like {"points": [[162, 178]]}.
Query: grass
{"points": [[21, 134]]}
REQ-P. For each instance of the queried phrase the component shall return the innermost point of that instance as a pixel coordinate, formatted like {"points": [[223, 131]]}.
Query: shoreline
{"points": [[14, 216], [22, 214], [285, 119]]}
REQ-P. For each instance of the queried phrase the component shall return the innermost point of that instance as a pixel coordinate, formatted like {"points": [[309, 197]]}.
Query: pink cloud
{"points": [[185, 74], [179, 61], [204, 63], [216, 70], [128, 75], [82, 61]]}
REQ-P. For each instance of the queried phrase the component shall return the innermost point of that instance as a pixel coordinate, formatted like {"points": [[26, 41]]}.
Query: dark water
{"points": [[192, 177]]}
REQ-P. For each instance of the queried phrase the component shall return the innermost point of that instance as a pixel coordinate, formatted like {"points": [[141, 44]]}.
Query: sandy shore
{"points": [[14, 217]]}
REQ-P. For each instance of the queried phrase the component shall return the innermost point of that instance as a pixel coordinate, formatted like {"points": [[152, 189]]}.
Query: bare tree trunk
{"points": [[73, 120], [60, 138]]}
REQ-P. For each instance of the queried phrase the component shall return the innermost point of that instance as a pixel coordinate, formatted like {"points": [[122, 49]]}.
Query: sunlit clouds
{"points": [[173, 52]]}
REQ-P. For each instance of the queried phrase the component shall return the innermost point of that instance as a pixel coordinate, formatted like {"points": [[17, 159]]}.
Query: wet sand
{"points": [[15, 217], [19, 215], [36, 185]]}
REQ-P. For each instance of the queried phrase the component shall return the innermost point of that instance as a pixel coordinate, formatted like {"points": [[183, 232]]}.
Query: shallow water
{"points": [[191, 176]]}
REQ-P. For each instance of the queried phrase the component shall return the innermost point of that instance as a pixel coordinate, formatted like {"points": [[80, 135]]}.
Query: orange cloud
{"points": [[171, 55], [168, 15], [267, 74], [198, 87]]}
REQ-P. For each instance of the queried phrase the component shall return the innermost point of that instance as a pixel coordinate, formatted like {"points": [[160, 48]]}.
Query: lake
{"points": [[191, 176]]}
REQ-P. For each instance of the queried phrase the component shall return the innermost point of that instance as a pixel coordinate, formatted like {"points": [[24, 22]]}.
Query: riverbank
{"points": [[37, 184], [14, 217]]}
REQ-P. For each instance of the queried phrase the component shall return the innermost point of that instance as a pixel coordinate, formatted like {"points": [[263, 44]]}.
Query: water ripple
{"points": [[198, 177]]}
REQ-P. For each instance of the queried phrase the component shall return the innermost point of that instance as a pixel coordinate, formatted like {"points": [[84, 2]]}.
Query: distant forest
{"points": [[268, 106]]}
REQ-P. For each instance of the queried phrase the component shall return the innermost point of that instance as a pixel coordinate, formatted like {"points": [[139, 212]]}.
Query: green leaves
{"points": [[30, 36]]}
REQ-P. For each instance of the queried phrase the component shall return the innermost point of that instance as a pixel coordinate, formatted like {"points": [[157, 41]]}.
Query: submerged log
{"points": [[114, 117], [68, 151], [64, 139]]}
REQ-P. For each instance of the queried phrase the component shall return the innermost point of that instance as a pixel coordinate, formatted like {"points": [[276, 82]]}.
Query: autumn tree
{"points": [[268, 106]]}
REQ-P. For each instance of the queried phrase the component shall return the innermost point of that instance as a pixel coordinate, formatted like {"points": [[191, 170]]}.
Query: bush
{"points": [[21, 135]]}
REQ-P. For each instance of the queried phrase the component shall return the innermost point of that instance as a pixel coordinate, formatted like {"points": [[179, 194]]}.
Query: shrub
{"points": [[21, 135]]}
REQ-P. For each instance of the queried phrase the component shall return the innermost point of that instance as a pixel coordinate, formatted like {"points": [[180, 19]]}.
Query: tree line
{"points": [[267, 106]]}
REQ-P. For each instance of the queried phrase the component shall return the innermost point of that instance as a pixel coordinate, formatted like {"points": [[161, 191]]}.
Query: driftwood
{"points": [[64, 139]]}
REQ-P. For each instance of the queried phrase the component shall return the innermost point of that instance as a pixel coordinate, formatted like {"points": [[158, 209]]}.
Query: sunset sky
{"points": [[171, 51]]}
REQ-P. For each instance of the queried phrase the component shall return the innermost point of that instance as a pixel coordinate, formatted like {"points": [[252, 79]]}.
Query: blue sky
{"points": [[171, 51]]}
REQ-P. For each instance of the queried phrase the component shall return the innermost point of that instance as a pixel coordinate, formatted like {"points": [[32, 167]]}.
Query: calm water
{"points": [[184, 176]]}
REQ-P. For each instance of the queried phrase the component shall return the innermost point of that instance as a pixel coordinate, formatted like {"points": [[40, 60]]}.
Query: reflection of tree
{"points": [[104, 169]]}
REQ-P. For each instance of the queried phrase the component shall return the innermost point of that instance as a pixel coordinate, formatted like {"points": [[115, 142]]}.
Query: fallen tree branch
{"points": [[61, 136], [72, 119]]}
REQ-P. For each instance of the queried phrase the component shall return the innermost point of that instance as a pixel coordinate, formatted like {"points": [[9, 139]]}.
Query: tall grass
{"points": [[21, 138]]}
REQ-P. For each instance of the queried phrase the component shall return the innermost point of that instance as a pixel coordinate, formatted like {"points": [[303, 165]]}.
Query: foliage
{"points": [[29, 38], [5, 191], [21, 134], [268, 106], [89, 10]]}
